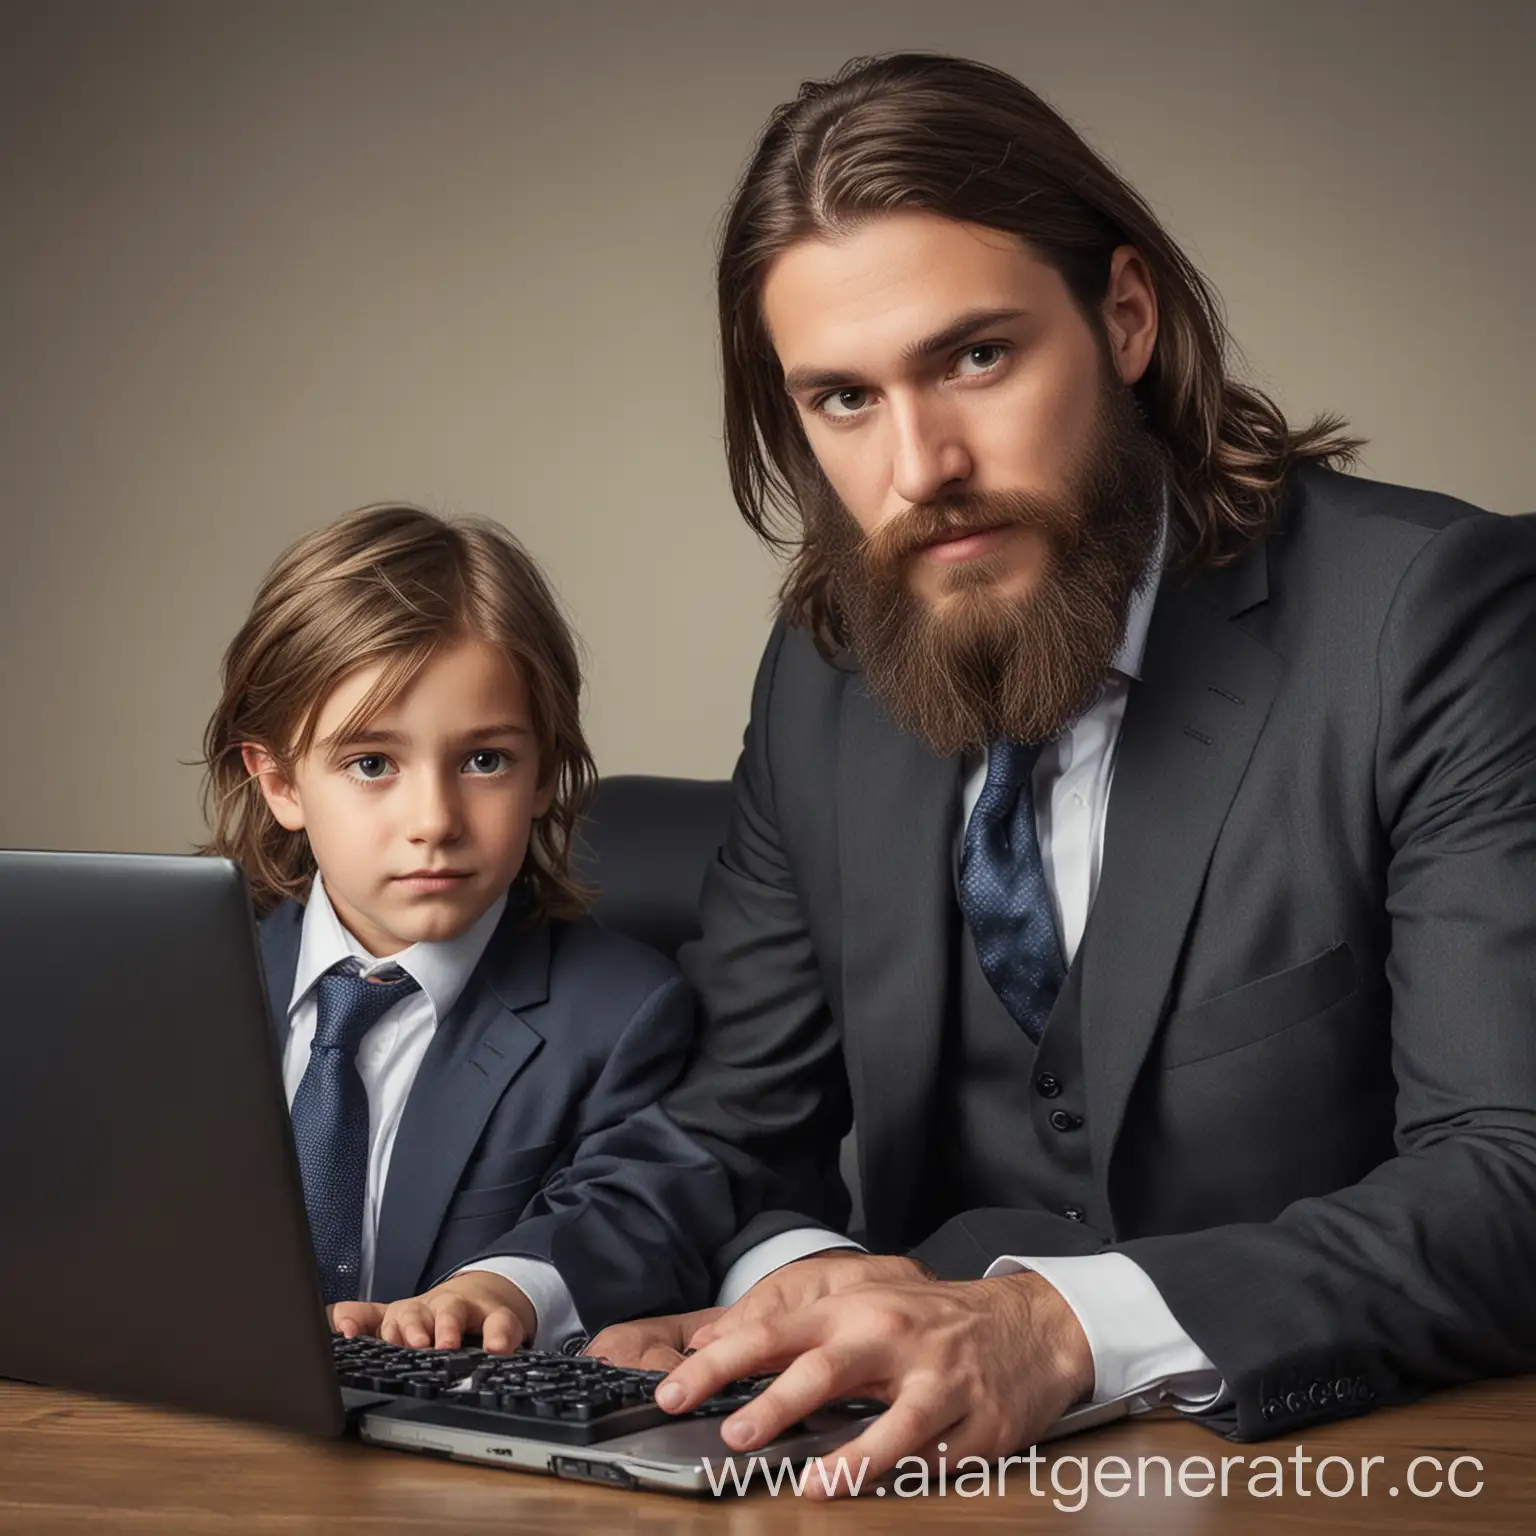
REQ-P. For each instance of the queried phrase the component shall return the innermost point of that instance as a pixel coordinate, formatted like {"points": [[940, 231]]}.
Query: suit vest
{"points": [[1009, 1123]]}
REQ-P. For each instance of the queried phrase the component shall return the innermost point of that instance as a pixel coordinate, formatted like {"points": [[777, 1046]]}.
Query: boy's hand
{"points": [[651, 1343], [473, 1302]]}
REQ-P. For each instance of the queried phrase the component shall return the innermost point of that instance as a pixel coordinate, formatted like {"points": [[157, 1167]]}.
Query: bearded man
{"points": [[1135, 835]]}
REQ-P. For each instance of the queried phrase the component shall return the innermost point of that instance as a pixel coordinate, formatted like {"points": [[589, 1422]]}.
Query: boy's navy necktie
{"points": [[1003, 893], [330, 1120]]}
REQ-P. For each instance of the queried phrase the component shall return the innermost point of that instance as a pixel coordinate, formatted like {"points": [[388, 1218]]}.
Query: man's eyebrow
{"points": [[961, 328]]}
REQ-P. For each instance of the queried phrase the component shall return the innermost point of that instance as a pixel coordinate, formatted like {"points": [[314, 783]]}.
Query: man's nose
{"points": [[930, 456]]}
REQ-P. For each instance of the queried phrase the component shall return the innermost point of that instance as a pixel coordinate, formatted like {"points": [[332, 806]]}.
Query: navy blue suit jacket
{"points": [[514, 1136]]}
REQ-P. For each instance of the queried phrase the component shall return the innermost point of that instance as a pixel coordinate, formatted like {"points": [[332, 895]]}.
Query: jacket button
{"points": [[1073, 1213], [1295, 1402], [1272, 1410], [1047, 1086], [1364, 1390], [1065, 1120], [1343, 1389], [1320, 1393]]}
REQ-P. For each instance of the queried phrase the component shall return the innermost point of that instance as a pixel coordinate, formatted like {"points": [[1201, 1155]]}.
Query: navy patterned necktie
{"points": [[330, 1120], [1003, 892]]}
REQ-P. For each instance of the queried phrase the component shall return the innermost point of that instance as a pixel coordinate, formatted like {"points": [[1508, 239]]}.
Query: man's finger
{"points": [[730, 1320], [767, 1345], [695, 1323], [907, 1429], [501, 1331], [912, 1424], [813, 1379]]}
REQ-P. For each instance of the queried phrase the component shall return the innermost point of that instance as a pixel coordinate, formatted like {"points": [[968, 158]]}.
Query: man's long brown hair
{"points": [[949, 136], [390, 584]]}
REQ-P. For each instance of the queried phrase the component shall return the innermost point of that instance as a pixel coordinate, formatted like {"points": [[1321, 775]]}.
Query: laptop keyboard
{"points": [[574, 1400]]}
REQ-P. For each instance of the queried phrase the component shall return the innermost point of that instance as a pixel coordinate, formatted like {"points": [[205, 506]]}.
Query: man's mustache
{"points": [[894, 542]]}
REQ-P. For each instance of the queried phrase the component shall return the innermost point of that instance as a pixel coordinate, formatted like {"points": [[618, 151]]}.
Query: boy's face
{"points": [[420, 820]]}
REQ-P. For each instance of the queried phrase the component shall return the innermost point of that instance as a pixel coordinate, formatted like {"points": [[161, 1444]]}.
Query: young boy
{"points": [[397, 763]]}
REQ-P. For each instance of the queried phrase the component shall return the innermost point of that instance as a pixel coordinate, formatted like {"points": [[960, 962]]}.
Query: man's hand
{"points": [[652, 1343], [796, 1285], [658, 1343], [473, 1302], [983, 1365]]}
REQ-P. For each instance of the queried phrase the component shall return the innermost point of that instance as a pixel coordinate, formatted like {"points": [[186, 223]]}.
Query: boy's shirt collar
{"points": [[441, 967]]}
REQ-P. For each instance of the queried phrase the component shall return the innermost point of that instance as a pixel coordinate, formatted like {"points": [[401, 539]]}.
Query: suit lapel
{"points": [[475, 1053], [279, 934], [1189, 731], [898, 808]]}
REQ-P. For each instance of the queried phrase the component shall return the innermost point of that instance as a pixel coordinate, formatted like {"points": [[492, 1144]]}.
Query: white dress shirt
{"points": [[1139, 1349], [388, 1059]]}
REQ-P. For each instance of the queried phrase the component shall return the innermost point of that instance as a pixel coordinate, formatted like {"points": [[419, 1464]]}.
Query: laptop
{"points": [[150, 1198]]}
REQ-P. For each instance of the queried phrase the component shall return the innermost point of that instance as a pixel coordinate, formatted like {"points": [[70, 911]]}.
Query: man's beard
{"points": [[980, 666]]}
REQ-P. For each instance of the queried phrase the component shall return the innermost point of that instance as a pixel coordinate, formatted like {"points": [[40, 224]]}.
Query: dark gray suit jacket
{"points": [[512, 1137], [1308, 1000]]}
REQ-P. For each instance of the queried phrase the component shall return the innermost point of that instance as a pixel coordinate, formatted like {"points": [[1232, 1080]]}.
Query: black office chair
{"points": [[645, 844]]}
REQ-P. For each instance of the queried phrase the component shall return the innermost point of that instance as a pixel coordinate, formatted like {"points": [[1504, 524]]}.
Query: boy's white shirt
{"points": [[388, 1060]]}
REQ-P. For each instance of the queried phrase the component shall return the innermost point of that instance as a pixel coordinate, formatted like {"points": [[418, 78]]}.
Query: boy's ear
{"points": [[276, 787], [545, 797]]}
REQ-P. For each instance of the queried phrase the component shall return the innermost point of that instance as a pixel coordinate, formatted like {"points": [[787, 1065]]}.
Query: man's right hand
{"points": [[658, 1343], [796, 1285]]}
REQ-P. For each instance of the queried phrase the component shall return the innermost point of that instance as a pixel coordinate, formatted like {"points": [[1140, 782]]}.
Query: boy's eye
{"points": [[488, 760], [374, 766]]}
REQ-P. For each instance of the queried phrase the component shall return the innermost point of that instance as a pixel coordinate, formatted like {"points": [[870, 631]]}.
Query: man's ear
{"points": [[276, 787], [1130, 313]]}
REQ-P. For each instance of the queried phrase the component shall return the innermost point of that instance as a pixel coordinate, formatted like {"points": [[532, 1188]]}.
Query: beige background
{"points": [[262, 262]]}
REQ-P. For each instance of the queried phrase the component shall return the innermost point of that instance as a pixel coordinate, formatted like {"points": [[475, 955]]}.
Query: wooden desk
{"points": [[78, 1464]]}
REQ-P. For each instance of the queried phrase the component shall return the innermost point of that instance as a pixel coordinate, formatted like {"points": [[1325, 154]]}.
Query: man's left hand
{"points": [[984, 1366]]}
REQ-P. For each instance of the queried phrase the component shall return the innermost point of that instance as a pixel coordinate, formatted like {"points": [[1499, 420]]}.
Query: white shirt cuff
{"points": [[774, 1253], [1138, 1348], [553, 1309]]}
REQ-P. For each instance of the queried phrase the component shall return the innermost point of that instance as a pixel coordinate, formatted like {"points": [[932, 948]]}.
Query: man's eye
{"points": [[980, 359], [843, 402], [491, 760], [374, 766]]}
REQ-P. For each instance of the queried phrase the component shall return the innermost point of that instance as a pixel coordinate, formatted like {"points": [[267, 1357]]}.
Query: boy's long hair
{"points": [[392, 584], [948, 136]]}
